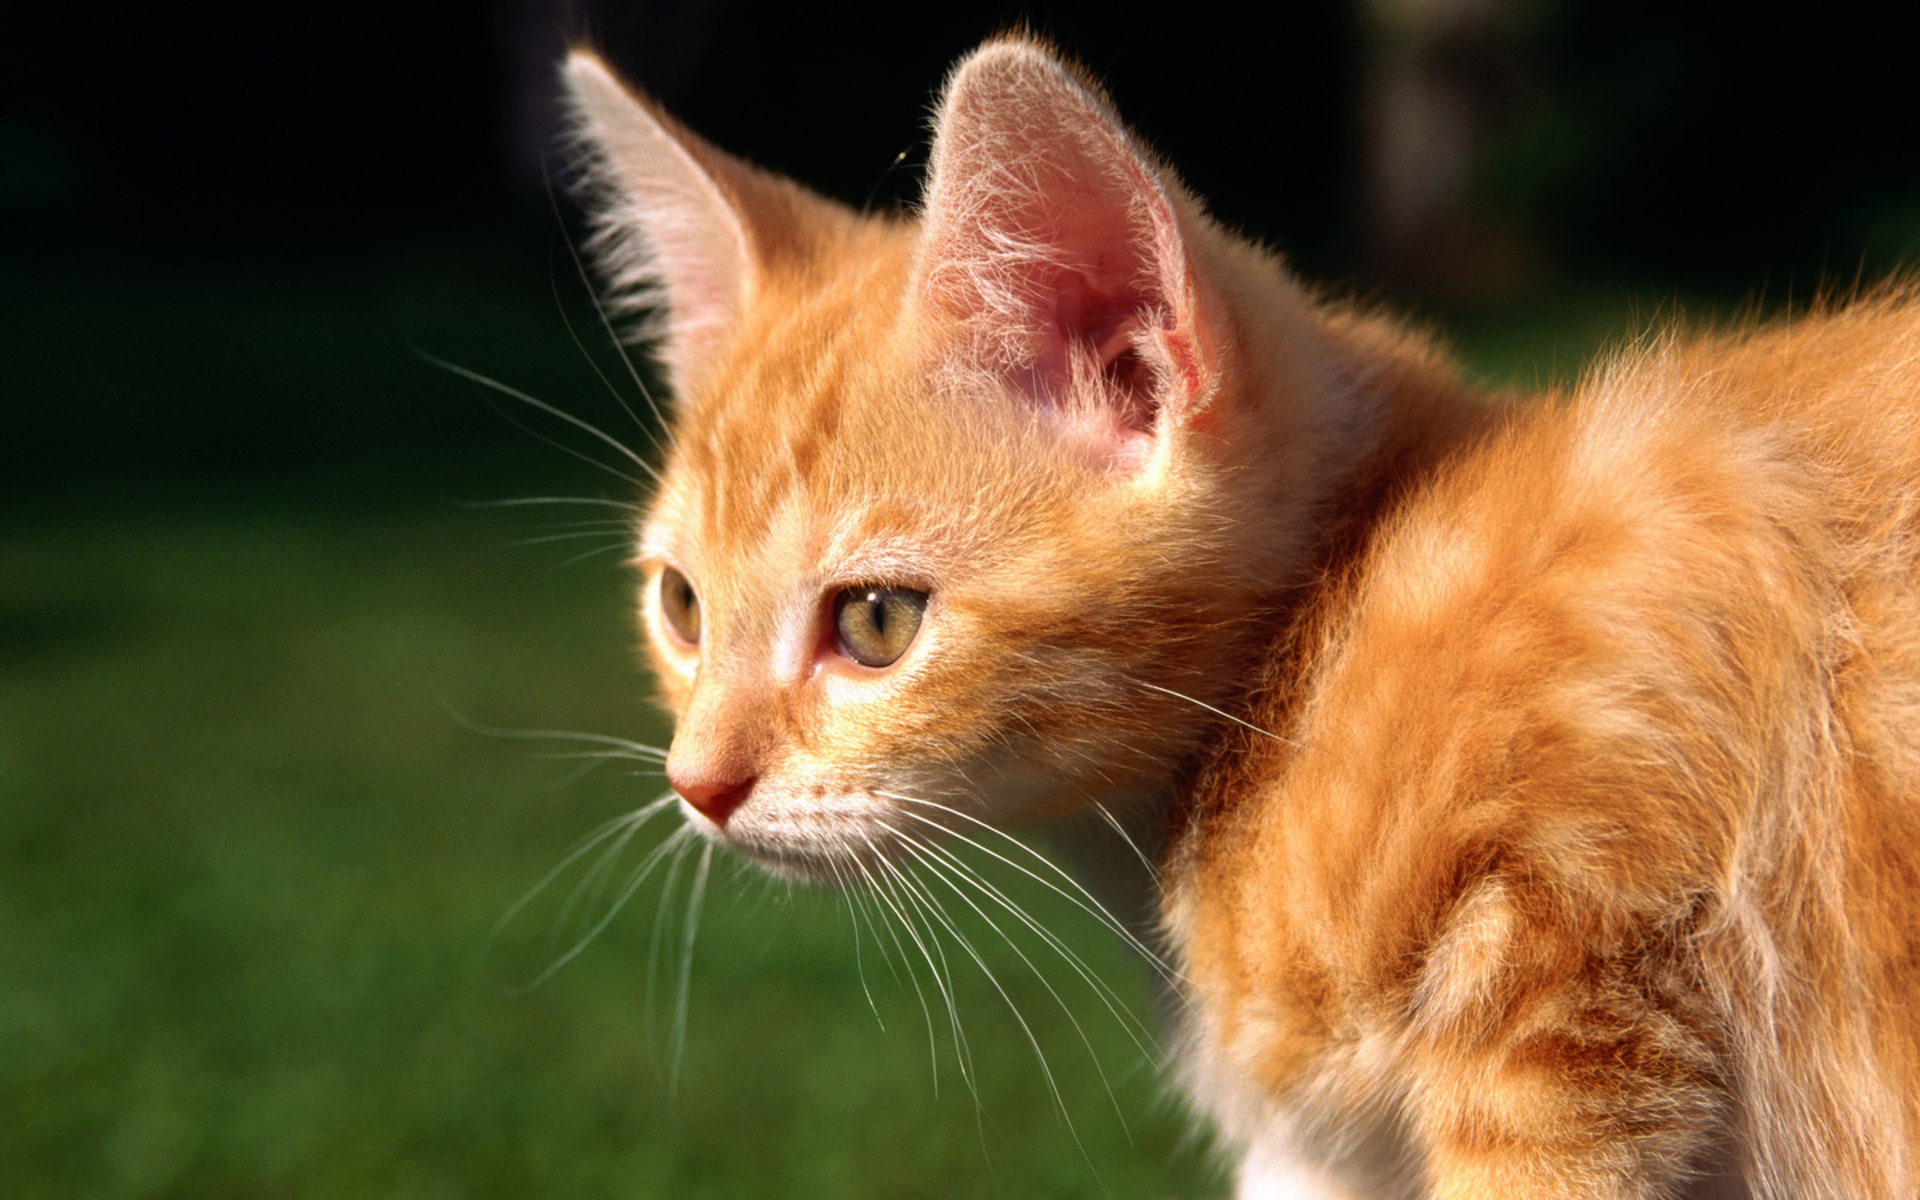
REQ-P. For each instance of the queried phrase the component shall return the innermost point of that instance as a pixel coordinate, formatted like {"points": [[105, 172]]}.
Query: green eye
{"points": [[680, 606], [874, 624]]}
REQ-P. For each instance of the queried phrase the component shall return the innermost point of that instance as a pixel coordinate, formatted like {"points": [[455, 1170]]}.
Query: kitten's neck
{"points": [[1409, 394], [1394, 409], [1322, 411]]}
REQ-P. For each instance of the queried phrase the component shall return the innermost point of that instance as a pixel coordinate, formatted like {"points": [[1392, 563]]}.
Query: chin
{"points": [[842, 845]]}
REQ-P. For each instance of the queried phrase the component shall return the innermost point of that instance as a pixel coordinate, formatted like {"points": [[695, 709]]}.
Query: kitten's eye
{"points": [[873, 624], [680, 606]]}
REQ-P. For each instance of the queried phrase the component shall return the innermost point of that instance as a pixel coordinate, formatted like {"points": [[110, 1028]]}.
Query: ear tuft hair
{"points": [[667, 236]]}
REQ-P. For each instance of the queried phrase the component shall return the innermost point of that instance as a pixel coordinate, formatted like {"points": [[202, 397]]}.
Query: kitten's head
{"points": [[965, 516]]}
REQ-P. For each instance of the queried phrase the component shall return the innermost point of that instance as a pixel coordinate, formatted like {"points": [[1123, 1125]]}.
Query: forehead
{"points": [[810, 429], [821, 442], [764, 434]]}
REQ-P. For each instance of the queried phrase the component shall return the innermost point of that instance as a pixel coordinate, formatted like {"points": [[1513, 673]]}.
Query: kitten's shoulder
{"points": [[1576, 701], [1576, 637]]}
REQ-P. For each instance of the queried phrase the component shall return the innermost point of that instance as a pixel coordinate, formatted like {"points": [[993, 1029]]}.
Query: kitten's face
{"points": [[879, 596], [953, 527]]}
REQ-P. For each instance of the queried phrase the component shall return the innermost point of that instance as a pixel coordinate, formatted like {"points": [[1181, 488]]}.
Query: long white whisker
{"points": [[863, 907], [913, 978], [1080, 897], [1107, 815], [591, 763], [660, 915], [561, 307], [933, 866], [576, 535], [634, 881], [586, 845], [925, 899], [694, 902], [932, 907], [601, 756], [597, 522], [557, 413], [942, 981], [606, 323], [593, 882], [553, 735], [619, 547], [1136, 1029], [859, 960], [858, 901], [625, 506], [1154, 687]]}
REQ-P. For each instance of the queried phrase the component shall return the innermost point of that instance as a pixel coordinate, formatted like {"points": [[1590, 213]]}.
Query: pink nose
{"points": [[715, 798]]}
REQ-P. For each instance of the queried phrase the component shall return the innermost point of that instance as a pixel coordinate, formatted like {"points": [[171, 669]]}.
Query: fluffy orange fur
{"points": [[1537, 779]]}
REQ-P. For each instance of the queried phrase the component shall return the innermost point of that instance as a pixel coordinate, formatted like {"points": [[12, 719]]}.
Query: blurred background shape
{"points": [[259, 858]]}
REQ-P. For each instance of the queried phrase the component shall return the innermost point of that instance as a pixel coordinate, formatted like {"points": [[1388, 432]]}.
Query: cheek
{"points": [[917, 727], [673, 680]]}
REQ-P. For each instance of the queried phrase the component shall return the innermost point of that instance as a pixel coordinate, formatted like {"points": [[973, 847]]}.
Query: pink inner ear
{"points": [[1052, 244], [1090, 336]]}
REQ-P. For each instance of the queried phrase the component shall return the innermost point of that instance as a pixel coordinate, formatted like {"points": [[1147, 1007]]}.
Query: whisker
{"points": [[1135, 1029], [575, 535], [1079, 897], [626, 506], [593, 763], [601, 756], [859, 960], [678, 1043], [861, 906], [639, 749], [913, 978], [930, 904], [931, 907], [675, 844], [942, 981], [593, 882], [858, 901], [660, 918], [558, 414], [947, 877], [586, 845], [560, 306], [1154, 687], [606, 323], [1107, 815], [619, 547]]}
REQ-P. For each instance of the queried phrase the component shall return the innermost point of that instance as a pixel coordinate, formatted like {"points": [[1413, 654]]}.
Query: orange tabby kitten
{"points": [[1538, 784]]}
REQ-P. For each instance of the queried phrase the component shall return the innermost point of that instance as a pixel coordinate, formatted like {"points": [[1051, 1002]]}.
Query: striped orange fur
{"points": [[1537, 779]]}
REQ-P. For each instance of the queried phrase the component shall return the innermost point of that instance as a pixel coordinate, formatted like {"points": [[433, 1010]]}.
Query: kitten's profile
{"points": [[1537, 784]]}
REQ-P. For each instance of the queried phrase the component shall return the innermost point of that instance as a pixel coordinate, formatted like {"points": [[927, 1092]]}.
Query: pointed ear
{"points": [[1053, 246], [682, 228]]}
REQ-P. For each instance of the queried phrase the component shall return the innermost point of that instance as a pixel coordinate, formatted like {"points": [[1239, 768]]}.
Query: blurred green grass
{"points": [[254, 850], [253, 866]]}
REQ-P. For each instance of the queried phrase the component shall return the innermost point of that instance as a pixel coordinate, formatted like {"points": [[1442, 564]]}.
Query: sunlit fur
{"points": [[1537, 778]]}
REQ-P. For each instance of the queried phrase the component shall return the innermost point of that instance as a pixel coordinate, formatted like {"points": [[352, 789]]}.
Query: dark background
{"points": [[271, 894], [195, 197]]}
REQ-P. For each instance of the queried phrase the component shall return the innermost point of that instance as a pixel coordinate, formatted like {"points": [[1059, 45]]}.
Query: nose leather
{"points": [[715, 799]]}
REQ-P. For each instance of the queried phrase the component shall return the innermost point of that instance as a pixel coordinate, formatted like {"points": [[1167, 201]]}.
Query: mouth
{"points": [[842, 844]]}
